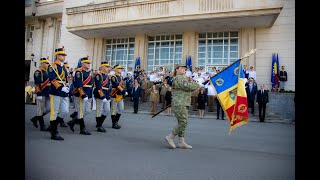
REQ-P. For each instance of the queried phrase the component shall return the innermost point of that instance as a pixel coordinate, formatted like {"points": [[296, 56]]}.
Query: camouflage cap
{"points": [[179, 65]]}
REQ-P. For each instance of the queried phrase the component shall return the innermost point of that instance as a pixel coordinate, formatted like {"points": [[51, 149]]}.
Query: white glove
{"points": [[126, 94], [65, 89], [85, 99], [104, 100], [39, 98]]}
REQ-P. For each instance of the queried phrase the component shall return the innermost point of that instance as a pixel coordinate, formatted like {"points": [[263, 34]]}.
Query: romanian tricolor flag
{"points": [[231, 93]]}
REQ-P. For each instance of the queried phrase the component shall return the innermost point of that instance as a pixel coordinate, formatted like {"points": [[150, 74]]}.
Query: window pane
{"points": [[226, 34], [214, 35], [179, 36], [217, 48], [202, 35], [234, 41], [131, 39], [151, 38], [202, 42], [217, 54], [202, 55], [217, 61], [163, 37], [202, 49], [109, 41], [233, 54], [157, 38], [233, 48], [234, 34], [209, 35]]}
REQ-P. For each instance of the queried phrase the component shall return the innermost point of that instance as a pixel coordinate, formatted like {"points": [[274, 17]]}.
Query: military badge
{"points": [[50, 69], [219, 81], [242, 108], [97, 77], [236, 71], [233, 94]]}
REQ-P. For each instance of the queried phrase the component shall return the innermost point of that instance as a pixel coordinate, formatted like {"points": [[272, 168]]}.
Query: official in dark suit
{"points": [[251, 89], [136, 94], [262, 100]]}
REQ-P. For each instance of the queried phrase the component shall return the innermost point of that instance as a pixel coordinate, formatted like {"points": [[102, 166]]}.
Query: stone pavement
{"points": [[138, 151]]}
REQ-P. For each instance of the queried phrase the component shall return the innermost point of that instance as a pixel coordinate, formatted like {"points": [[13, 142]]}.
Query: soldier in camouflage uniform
{"points": [[181, 99]]}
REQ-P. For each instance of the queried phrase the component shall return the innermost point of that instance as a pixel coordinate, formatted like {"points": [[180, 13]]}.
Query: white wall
{"points": [[280, 38], [75, 46]]}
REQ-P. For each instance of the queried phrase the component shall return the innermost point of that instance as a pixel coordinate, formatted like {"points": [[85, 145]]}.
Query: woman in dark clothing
{"points": [[167, 98], [201, 102]]}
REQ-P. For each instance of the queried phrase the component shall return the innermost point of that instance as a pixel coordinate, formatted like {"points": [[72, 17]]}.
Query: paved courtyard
{"points": [[255, 151]]}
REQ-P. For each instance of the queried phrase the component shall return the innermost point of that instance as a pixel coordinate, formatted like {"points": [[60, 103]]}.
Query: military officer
{"points": [[102, 95], [59, 90], [181, 99], [83, 92], [117, 94], [42, 86], [283, 78]]}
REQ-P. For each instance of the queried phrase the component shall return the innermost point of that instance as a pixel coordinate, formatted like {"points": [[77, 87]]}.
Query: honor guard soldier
{"points": [[181, 99], [283, 78], [117, 94], [42, 86], [102, 95], [83, 92], [59, 98]]}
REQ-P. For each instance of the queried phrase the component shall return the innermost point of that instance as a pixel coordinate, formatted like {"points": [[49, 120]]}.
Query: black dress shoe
{"points": [[56, 136], [84, 132], [116, 126], [217, 117], [101, 129]]}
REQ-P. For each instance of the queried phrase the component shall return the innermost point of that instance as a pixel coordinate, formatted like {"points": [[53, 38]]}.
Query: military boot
{"points": [[42, 125], [170, 140], [101, 120], [34, 121], [117, 119], [114, 122], [83, 129], [60, 120], [74, 115], [72, 123], [182, 144], [49, 128], [54, 132]]}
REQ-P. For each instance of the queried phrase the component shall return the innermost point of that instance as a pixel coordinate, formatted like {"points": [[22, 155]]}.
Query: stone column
{"points": [[98, 53], [247, 42], [141, 49], [189, 41]]}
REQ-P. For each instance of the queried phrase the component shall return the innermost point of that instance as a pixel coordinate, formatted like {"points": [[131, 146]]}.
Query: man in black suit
{"points": [[262, 100], [251, 89], [136, 94]]}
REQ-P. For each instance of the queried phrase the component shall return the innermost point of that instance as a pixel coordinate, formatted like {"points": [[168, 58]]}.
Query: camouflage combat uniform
{"points": [[181, 100]]}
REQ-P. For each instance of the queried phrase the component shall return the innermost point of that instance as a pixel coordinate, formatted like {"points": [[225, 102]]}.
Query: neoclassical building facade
{"points": [[214, 33]]}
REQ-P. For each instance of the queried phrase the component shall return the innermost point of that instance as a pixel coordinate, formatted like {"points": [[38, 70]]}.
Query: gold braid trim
{"points": [[37, 88], [120, 88], [81, 91], [100, 93], [55, 83]]}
